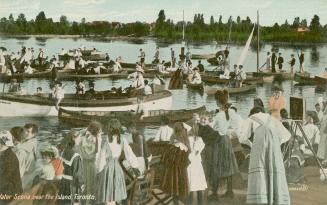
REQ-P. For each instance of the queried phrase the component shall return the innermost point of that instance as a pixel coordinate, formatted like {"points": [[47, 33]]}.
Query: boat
{"points": [[202, 56], [32, 105], [245, 88], [83, 118], [215, 79], [198, 87], [22, 76], [92, 57], [321, 82], [133, 65], [213, 61], [277, 75], [304, 78]]}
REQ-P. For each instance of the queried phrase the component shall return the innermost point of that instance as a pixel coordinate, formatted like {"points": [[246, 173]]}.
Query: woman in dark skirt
{"points": [[175, 160], [72, 181]]}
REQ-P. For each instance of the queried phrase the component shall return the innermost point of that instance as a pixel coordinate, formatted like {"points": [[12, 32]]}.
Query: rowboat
{"points": [[277, 75], [133, 65], [21, 76], [83, 118], [198, 87], [92, 57], [202, 56], [321, 82], [214, 79], [32, 105], [304, 79], [245, 88]]}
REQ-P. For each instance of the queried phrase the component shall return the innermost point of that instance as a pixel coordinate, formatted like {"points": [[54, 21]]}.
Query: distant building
{"points": [[302, 29]]}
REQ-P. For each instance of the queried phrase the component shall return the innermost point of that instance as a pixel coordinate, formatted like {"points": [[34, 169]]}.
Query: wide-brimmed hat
{"points": [[278, 88], [6, 138]]}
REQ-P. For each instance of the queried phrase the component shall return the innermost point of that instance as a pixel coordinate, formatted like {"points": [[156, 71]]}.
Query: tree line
{"points": [[234, 30]]}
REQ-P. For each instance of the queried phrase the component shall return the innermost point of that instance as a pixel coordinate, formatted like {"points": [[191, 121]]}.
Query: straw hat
{"points": [[6, 138]]}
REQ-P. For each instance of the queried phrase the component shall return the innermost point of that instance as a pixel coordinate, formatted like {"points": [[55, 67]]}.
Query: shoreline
{"points": [[144, 38]]}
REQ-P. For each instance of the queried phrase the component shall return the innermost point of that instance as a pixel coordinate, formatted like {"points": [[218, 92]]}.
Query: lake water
{"points": [[315, 62]]}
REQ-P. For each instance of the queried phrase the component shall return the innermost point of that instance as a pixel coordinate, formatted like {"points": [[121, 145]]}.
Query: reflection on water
{"points": [[315, 59]]}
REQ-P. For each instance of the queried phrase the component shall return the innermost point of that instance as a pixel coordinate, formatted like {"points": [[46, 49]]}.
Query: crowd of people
{"points": [[198, 157]]}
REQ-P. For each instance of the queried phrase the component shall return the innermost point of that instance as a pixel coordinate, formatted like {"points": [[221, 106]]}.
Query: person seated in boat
{"points": [[100, 69], [240, 76], [200, 66], [280, 61], [78, 53], [277, 102], [147, 88], [292, 63], [70, 65], [165, 131], [80, 88], [90, 94], [196, 78], [94, 51], [28, 69], [81, 62], [142, 57], [14, 86], [58, 94], [39, 91], [117, 66], [139, 80], [156, 56], [91, 71], [162, 68], [107, 57]]}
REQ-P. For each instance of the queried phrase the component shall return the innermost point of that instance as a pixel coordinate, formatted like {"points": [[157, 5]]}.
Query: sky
{"points": [[271, 11]]}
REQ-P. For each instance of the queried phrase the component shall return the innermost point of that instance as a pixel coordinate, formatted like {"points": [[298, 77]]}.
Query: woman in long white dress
{"points": [[196, 177], [110, 178], [322, 147]]}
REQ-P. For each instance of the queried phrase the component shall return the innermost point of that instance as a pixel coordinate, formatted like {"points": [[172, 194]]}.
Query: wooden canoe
{"points": [[198, 87], [133, 65], [22, 76], [214, 79], [277, 75], [304, 79], [202, 56], [245, 88], [83, 118]]}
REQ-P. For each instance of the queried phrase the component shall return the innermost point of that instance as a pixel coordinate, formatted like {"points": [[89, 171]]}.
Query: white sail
{"points": [[245, 49]]}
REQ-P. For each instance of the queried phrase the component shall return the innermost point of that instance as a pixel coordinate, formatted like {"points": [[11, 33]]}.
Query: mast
{"points": [[183, 28], [258, 40]]}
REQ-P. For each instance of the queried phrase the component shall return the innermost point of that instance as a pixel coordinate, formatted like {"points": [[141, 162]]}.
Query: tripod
{"points": [[296, 124]]}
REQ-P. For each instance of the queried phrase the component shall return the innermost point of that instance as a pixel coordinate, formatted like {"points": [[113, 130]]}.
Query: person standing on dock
{"points": [[188, 55], [280, 61], [142, 57], [273, 61], [292, 63], [41, 56], [156, 56], [268, 61], [301, 59]]}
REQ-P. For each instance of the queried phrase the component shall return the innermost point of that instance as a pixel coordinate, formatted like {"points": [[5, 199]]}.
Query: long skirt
{"points": [[111, 183], [322, 148], [267, 180], [224, 161]]}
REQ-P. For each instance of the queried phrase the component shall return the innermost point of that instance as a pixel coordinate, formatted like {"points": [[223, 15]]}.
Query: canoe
{"points": [[304, 79], [22, 76], [321, 82], [133, 65], [198, 87], [214, 79], [83, 118], [93, 57], [277, 75], [245, 88], [32, 105], [202, 56]]}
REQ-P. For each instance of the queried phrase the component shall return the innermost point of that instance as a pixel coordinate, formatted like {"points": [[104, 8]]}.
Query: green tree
{"points": [[212, 21], [40, 22], [238, 20], [304, 23], [21, 23], [296, 22], [315, 23]]}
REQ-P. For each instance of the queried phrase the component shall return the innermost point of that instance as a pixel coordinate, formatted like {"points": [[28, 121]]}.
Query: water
{"points": [[315, 62]]}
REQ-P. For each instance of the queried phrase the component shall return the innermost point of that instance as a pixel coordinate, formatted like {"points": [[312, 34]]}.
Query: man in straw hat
{"points": [[277, 102], [196, 78], [10, 181], [139, 80]]}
